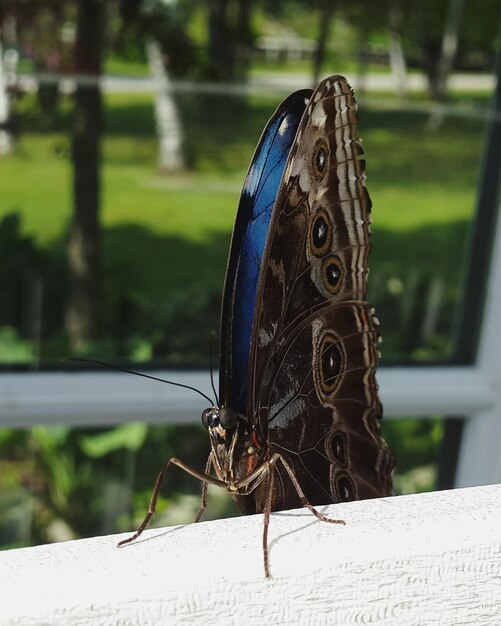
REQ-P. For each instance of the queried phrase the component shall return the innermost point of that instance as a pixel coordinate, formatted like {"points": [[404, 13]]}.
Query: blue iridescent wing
{"points": [[247, 247]]}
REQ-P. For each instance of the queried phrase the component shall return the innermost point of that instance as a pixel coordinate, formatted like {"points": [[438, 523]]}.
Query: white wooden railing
{"points": [[423, 559], [103, 398]]}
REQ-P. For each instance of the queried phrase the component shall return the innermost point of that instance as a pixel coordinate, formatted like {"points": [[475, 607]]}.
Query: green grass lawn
{"points": [[416, 177]]}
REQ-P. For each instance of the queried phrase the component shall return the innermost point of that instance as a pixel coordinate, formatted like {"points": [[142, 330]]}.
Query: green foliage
{"points": [[78, 482], [479, 25], [416, 444], [168, 23], [14, 349], [56, 463], [128, 436]]}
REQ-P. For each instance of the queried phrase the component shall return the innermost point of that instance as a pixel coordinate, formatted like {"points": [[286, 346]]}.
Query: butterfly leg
{"points": [[300, 493], [266, 521], [251, 482], [265, 472], [205, 478], [205, 484]]}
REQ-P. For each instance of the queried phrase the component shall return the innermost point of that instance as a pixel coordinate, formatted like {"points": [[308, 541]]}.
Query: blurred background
{"points": [[126, 128]]}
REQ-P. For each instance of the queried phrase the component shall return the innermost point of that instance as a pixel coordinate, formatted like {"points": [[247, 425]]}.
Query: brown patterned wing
{"points": [[312, 390]]}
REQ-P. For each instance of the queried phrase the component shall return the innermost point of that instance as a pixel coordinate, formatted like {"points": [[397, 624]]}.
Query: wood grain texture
{"points": [[425, 559]]}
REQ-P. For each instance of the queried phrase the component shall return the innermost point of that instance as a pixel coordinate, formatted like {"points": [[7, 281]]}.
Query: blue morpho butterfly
{"points": [[297, 419]]}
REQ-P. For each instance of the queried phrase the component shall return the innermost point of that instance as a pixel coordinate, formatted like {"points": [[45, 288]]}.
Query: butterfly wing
{"points": [[247, 247], [311, 382]]}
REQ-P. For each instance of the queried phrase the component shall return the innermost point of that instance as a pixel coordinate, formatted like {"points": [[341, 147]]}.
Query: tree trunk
{"points": [[395, 50], [83, 245], [449, 47], [325, 15], [8, 80], [244, 38], [438, 89], [438, 54], [221, 54], [47, 61], [170, 155], [5, 136], [230, 39]]}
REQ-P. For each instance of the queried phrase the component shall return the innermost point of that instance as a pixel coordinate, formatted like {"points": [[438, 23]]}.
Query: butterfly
{"points": [[297, 420]]}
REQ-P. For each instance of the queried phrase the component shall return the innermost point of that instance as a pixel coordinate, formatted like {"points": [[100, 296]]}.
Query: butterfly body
{"points": [[297, 420]]}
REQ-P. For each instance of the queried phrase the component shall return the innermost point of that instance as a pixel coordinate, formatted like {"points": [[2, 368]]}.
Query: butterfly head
{"points": [[219, 419], [235, 445]]}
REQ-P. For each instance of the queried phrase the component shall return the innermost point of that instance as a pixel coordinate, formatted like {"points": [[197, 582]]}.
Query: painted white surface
{"points": [[480, 458], [422, 559], [99, 398], [102, 398]]}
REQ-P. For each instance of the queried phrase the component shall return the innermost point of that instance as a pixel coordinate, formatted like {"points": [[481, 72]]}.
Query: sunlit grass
{"points": [[188, 206], [165, 238], [427, 205], [415, 177], [36, 183]]}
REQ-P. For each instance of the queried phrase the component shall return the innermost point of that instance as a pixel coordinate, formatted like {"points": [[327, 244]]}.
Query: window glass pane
{"points": [[423, 184], [164, 239], [152, 165]]}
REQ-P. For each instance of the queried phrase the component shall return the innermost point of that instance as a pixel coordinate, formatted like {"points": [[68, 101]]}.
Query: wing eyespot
{"points": [[336, 448], [320, 158], [332, 273], [346, 490], [321, 233], [331, 363]]}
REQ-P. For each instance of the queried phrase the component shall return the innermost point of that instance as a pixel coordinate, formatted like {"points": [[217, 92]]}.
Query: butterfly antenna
{"points": [[211, 367], [127, 371]]}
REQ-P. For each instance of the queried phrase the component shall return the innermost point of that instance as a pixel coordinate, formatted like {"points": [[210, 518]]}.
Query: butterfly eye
{"points": [[208, 417], [227, 418]]}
